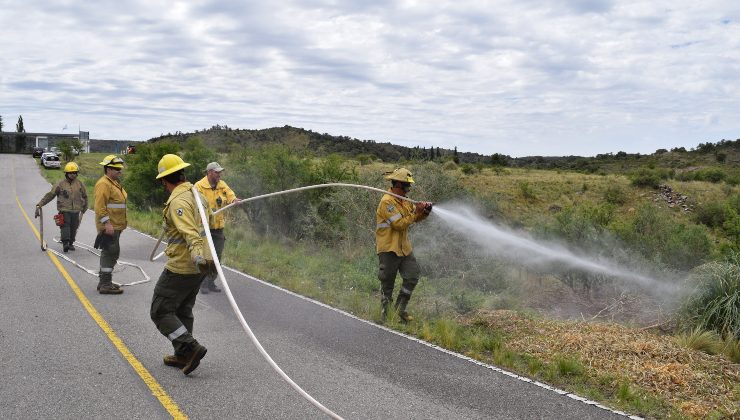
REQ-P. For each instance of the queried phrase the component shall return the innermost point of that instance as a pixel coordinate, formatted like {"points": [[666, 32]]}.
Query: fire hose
{"points": [[41, 228], [243, 322], [152, 257], [230, 296], [44, 247]]}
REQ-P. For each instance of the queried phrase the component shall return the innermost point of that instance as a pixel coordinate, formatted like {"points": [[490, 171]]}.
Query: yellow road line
{"points": [[157, 390]]}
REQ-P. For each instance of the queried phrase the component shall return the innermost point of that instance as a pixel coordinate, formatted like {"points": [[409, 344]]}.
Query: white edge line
{"points": [[434, 346]]}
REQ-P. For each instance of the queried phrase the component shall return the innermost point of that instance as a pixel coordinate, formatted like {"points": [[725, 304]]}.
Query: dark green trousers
{"points": [[218, 242], [109, 258], [390, 265], [172, 308], [69, 230]]}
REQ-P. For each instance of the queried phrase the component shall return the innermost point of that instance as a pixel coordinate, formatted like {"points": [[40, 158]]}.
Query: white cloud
{"points": [[516, 77]]}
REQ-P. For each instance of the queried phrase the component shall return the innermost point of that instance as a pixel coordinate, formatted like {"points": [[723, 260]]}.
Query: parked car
{"points": [[50, 160], [37, 152]]}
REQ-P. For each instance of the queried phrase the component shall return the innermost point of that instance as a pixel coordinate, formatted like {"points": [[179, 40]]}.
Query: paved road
{"points": [[57, 362]]}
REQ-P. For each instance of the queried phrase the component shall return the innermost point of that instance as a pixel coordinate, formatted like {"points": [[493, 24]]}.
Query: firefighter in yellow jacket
{"points": [[218, 194], [393, 218], [110, 221], [189, 262], [71, 198]]}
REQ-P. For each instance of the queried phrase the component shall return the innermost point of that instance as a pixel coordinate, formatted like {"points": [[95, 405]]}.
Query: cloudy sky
{"points": [[518, 77]]}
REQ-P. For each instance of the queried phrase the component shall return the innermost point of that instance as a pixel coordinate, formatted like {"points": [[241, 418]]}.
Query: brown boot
{"points": [[109, 289], [175, 361], [405, 317], [194, 357]]}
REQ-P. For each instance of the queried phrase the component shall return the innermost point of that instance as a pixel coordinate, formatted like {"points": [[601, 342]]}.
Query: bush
{"points": [[712, 175], [144, 191], [714, 303], [661, 240], [646, 178], [705, 341], [527, 191], [711, 214], [468, 169], [449, 165], [614, 194]]}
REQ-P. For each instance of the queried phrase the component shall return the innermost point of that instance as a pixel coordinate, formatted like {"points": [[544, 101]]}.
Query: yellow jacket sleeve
{"points": [[398, 216], [102, 196]]}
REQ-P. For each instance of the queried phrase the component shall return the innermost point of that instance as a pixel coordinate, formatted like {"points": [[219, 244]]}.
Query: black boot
{"points": [[65, 246], [386, 307], [401, 302], [212, 286]]}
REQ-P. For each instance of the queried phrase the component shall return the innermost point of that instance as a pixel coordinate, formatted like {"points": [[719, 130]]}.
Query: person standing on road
{"points": [[110, 221], [71, 198], [189, 262], [393, 218], [218, 195]]}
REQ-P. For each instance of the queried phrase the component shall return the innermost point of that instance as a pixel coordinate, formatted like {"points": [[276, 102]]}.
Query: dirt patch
{"points": [[695, 383]]}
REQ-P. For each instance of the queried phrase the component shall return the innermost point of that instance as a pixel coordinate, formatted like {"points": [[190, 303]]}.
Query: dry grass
{"points": [[695, 383]]}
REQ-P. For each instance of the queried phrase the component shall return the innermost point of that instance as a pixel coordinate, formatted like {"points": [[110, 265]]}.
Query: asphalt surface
{"points": [[57, 362]]}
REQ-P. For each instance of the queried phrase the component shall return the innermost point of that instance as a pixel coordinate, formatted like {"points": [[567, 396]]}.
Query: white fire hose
{"points": [[243, 322], [310, 187], [230, 297], [153, 257]]}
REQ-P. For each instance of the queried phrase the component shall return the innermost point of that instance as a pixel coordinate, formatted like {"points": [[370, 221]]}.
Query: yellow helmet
{"points": [[113, 161], [400, 174], [170, 164], [71, 167]]}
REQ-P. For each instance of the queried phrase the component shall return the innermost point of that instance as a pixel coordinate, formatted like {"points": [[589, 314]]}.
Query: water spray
{"points": [[483, 232]]}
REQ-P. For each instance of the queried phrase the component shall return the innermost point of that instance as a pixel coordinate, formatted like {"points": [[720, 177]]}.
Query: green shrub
{"points": [[660, 239], [731, 349], [449, 165], [645, 178], [144, 191], [527, 191], [614, 194], [712, 214], [698, 339], [469, 169], [712, 175], [686, 246], [714, 303], [467, 302]]}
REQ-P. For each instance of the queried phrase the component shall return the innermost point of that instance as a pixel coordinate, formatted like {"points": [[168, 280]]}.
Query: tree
{"points": [[498, 159], [1, 123], [454, 156], [20, 138]]}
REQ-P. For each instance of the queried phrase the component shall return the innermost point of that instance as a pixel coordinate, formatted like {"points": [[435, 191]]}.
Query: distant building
{"points": [[12, 142]]}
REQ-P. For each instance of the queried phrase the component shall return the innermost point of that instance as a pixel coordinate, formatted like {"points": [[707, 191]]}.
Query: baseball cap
{"points": [[214, 166]]}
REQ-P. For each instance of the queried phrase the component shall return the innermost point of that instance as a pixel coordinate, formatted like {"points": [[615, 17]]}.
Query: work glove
{"points": [[37, 213], [424, 207], [102, 241], [207, 267]]}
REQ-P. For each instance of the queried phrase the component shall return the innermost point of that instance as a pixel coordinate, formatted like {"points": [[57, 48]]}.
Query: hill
{"points": [[223, 139]]}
